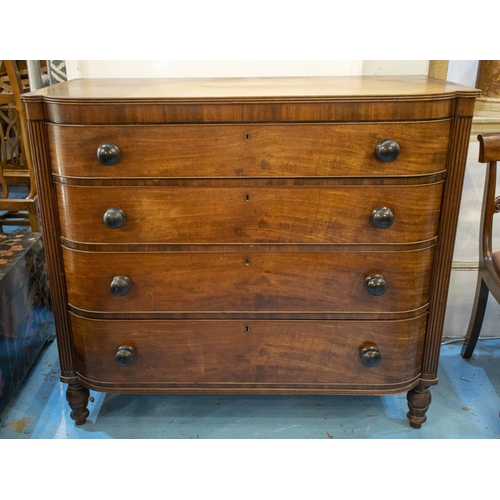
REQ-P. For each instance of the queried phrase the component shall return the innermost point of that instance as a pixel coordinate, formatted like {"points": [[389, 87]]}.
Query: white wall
{"points": [[463, 72], [186, 69], [466, 254]]}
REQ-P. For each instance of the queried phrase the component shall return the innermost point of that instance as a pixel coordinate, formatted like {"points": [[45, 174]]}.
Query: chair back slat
{"points": [[489, 147]]}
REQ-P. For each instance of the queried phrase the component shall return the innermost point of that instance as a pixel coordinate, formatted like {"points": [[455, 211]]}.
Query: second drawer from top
{"points": [[250, 215]]}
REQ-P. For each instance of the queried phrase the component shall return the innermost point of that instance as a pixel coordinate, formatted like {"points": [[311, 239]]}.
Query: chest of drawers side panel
{"points": [[457, 157], [51, 233]]}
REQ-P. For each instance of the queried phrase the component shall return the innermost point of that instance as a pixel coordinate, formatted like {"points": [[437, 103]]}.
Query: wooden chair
{"points": [[489, 262], [16, 167]]}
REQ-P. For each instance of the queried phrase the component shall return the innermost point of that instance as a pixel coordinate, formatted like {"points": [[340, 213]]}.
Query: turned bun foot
{"points": [[419, 400], [78, 397]]}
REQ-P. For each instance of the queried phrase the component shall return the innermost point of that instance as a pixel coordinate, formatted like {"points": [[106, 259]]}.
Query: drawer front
{"points": [[249, 214], [247, 282], [247, 150], [210, 353]]}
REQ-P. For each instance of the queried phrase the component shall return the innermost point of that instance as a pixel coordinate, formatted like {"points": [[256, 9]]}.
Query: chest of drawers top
{"points": [[219, 100]]}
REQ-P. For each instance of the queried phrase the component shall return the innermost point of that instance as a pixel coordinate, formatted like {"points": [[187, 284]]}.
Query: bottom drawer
{"points": [[253, 355]]}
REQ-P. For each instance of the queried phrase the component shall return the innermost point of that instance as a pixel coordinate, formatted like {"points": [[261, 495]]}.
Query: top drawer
{"points": [[249, 150]]}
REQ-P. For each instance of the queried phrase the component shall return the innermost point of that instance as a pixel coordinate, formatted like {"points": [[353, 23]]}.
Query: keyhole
{"points": [[247, 262], [247, 329], [247, 197], [247, 136]]}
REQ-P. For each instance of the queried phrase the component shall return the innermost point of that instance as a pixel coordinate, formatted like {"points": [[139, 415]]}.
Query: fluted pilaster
{"points": [[51, 234], [458, 148]]}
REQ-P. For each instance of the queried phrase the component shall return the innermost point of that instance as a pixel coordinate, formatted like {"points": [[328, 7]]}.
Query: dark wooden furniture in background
{"points": [[16, 166], [488, 279], [262, 235], [26, 320]]}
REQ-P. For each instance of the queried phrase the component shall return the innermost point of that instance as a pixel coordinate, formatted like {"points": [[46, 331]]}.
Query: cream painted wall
{"points": [[373, 67], [463, 72], [186, 69], [459, 71], [466, 254]]}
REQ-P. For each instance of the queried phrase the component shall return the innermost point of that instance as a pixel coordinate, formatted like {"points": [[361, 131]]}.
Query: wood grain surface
{"points": [[251, 100], [258, 282], [215, 354], [247, 238], [489, 147], [192, 215], [278, 150], [231, 89]]}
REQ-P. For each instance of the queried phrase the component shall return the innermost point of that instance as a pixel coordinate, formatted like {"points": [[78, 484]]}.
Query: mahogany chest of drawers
{"points": [[263, 235]]}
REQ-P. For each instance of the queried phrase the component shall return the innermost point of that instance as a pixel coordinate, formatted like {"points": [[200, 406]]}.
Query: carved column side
{"points": [[488, 78], [457, 157], [51, 237], [438, 69]]}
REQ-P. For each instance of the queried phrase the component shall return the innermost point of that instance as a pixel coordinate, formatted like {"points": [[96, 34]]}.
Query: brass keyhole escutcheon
{"points": [[247, 329], [247, 262], [247, 136], [247, 197]]}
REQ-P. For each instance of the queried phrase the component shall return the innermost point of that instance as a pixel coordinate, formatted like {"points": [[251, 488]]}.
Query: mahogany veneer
{"points": [[249, 150], [268, 235], [244, 214]]}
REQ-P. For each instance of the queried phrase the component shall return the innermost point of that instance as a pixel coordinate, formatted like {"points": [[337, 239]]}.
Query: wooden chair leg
{"points": [[477, 316], [33, 216]]}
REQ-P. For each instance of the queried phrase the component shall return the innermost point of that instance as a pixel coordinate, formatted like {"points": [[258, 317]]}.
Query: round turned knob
{"points": [[387, 150], [108, 153], [120, 285], [376, 284], [382, 217], [114, 218], [125, 355], [370, 356]]}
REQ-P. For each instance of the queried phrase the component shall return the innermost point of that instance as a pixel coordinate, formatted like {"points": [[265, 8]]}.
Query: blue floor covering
{"points": [[465, 405], [253, 446]]}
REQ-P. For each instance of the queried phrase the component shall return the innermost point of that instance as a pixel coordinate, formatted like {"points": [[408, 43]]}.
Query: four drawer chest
{"points": [[250, 235]]}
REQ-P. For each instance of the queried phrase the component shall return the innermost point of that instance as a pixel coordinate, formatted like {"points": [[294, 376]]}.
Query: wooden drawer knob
{"points": [[376, 284], [114, 218], [387, 150], [108, 153], [125, 355], [370, 356], [120, 285], [382, 217]]}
